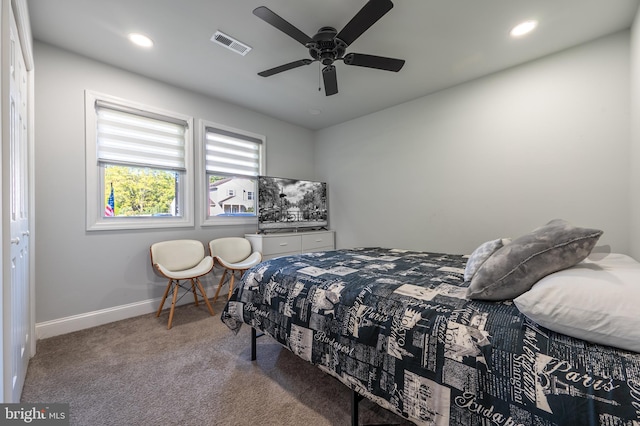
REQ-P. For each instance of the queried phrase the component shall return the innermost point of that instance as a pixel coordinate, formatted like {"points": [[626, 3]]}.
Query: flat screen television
{"points": [[290, 204]]}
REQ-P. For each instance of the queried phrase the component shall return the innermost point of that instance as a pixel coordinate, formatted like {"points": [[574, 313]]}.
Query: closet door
{"points": [[16, 302]]}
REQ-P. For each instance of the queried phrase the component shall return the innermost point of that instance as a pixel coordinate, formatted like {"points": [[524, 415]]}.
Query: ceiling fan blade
{"points": [[270, 17], [330, 80], [372, 61], [366, 17], [285, 67]]}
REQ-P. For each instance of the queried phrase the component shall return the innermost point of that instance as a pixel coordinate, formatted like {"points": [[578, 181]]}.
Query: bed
{"points": [[399, 328]]}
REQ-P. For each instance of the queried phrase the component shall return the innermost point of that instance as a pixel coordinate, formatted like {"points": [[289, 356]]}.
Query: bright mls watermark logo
{"points": [[34, 414]]}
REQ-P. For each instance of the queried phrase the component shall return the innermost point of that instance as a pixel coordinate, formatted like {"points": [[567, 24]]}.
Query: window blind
{"points": [[128, 136], [230, 153]]}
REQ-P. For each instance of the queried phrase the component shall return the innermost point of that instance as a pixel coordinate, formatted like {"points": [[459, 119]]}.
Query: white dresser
{"points": [[274, 245]]}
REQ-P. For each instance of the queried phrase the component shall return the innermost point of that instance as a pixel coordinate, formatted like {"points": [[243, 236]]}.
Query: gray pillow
{"points": [[481, 254], [516, 267]]}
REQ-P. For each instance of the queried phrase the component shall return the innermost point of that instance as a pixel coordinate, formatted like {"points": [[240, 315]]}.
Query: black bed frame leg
{"points": [[253, 344], [355, 399], [254, 336]]}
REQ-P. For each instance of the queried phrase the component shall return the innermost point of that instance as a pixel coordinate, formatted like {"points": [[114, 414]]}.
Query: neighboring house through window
{"points": [[229, 196]]}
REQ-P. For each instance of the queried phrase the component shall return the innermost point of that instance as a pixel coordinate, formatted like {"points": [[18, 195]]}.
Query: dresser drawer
{"points": [[274, 245], [280, 245], [320, 240]]}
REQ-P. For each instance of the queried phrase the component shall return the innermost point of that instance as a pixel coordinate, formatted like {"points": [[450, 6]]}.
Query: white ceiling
{"points": [[444, 43]]}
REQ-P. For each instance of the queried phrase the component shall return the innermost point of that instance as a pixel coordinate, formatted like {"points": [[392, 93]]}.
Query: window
{"points": [[138, 165], [232, 161]]}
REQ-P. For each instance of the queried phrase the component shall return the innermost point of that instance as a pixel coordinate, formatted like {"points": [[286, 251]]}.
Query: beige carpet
{"points": [[136, 372]]}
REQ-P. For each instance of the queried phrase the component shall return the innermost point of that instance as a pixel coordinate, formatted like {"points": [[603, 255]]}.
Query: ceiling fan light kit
{"points": [[328, 45]]}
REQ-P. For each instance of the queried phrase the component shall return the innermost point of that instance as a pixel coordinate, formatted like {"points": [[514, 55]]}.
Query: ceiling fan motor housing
{"points": [[326, 47]]}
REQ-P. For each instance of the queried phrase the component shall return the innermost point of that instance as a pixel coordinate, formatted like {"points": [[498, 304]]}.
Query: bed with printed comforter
{"points": [[397, 327]]}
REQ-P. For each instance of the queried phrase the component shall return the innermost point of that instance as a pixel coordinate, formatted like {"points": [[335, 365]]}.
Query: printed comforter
{"points": [[395, 326]]}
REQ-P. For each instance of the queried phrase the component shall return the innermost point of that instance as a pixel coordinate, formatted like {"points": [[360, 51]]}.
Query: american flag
{"points": [[108, 209]]}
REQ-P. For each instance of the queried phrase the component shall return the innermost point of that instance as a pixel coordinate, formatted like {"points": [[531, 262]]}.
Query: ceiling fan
{"points": [[329, 45]]}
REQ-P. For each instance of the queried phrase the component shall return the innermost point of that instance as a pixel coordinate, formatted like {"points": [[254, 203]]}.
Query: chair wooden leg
{"points": [[173, 304], [231, 284], [233, 275], [204, 296], [164, 297], [193, 289], [220, 284]]}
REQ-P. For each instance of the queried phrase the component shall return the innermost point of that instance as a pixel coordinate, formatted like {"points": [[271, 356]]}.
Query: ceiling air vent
{"points": [[230, 43]]}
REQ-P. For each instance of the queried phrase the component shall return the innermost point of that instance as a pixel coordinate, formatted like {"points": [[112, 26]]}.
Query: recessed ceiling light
{"points": [[140, 40], [523, 28]]}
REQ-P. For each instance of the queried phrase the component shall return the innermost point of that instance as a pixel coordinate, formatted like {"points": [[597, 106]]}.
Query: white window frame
{"points": [[95, 197], [202, 186]]}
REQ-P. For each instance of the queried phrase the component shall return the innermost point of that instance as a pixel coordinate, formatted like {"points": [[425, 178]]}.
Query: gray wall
{"points": [[79, 271], [492, 158]]}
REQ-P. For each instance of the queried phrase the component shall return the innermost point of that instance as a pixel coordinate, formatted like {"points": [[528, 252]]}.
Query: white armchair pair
{"points": [[185, 260]]}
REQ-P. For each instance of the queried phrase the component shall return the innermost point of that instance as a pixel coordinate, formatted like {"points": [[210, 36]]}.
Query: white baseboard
{"points": [[104, 316]]}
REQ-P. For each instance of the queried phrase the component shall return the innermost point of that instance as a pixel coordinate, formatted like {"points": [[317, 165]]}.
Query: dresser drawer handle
{"points": [[284, 244]]}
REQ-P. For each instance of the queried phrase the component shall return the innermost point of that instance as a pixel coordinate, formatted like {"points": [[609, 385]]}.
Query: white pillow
{"points": [[481, 254], [595, 300]]}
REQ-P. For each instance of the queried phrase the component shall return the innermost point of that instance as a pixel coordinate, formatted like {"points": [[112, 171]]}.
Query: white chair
{"points": [[234, 254], [181, 260]]}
